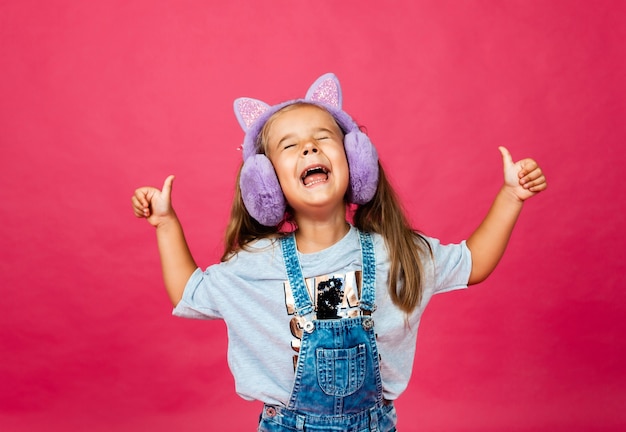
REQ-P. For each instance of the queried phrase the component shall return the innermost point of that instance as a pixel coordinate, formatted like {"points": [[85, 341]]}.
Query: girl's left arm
{"points": [[522, 180]]}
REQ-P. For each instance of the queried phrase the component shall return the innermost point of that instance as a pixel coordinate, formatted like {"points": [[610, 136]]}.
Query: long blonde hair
{"points": [[383, 215]]}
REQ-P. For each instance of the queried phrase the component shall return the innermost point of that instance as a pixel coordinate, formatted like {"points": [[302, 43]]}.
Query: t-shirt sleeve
{"points": [[452, 265], [196, 301]]}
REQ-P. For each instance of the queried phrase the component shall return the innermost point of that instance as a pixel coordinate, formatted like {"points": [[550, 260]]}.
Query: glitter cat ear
{"points": [[247, 110], [326, 89]]}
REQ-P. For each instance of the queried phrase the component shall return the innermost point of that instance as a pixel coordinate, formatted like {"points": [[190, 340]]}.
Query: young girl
{"points": [[322, 313]]}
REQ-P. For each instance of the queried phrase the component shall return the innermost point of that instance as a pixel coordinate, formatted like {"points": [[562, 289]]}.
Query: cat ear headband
{"points": [[260, 189]]}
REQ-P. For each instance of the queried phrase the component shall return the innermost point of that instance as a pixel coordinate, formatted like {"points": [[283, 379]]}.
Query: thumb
{"points": [[507, 159], [167, 186]]}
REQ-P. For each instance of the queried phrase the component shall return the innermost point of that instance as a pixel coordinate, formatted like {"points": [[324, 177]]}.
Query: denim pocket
{"points": [[341, 372]]}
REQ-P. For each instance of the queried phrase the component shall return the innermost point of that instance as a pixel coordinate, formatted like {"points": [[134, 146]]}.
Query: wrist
{"points": [[508, 194], [165, 222]]}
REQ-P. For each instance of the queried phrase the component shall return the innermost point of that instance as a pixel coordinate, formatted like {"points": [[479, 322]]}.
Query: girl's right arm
{"points": [[176, 260]]}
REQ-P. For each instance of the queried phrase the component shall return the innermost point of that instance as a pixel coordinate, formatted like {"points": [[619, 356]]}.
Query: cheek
{"points": [[341, 167], [281, 169], [341, 157]]}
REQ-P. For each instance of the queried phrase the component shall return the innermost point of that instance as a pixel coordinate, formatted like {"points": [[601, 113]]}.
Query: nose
{"points": [[309, 147]]}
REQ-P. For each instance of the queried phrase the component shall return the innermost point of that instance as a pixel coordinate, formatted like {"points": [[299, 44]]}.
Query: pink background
{"points": [[98, 98]]}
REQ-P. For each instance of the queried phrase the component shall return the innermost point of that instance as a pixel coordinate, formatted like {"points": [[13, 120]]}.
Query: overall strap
{"points": [[368, 291], [294, 273]]}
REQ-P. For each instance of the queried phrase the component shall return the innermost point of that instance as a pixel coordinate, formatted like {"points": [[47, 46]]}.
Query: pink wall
{"points": [[97, 98]]}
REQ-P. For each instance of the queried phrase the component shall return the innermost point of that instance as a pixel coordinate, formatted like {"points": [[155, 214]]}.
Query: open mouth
{"points": [[314, 175]]}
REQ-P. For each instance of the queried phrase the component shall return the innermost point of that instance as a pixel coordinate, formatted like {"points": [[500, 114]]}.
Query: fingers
{"points": [[167, 186], [507, 159], [532, 177], [141, 203], [144, 198], [526, 172]]}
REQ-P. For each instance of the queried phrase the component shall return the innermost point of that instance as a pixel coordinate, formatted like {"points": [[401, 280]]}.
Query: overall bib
{"points": [[337, 381]]}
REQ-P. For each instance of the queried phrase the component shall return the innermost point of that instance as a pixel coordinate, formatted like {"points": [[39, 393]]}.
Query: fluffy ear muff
{"points": [[363, 163], [261, 192]]}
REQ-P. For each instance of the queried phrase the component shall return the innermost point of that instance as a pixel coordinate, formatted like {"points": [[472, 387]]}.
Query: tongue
{"points": [[316, 177]]}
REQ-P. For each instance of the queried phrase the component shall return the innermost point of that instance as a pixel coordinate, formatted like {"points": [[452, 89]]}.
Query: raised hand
{"points": [[153, 204], [523, 178]]}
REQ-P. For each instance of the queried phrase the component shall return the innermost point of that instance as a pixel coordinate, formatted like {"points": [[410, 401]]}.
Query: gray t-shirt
{"points": [[251, 294]]}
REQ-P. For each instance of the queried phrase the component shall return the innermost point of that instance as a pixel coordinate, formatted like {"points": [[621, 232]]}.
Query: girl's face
{"points": [[305, 146]]}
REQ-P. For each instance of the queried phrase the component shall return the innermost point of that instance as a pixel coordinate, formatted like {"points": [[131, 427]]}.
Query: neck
{"points": [[314, 235]]}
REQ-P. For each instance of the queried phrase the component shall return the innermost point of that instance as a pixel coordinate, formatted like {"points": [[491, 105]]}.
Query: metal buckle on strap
{"points": [[309, 326], [367, 323]]}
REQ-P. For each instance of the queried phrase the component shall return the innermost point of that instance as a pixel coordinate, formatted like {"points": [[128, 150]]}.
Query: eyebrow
{"points": [[285, 138]]}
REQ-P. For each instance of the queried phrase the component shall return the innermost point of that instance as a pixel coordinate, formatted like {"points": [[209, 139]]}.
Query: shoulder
{"points": [[423, 243], [257, 258], [441, 250], [435, 255], [255, 247], [450, 265]]}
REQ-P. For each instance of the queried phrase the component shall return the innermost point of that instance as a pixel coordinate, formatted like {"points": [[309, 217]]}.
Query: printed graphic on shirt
{"points": [[334, 296]]}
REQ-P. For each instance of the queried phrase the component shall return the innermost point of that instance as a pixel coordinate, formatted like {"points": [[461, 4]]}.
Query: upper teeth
{"points": [[313, 170]]}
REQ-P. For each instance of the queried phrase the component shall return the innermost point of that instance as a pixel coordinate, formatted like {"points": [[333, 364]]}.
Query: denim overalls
{"points": [[337, 383]]}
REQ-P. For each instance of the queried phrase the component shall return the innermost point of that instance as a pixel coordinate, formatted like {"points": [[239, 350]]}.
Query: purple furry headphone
{"points": [[260, 189]]}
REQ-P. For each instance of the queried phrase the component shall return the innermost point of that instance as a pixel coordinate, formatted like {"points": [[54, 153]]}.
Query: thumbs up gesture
{"points": [[153, 204], [523, 178]]}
